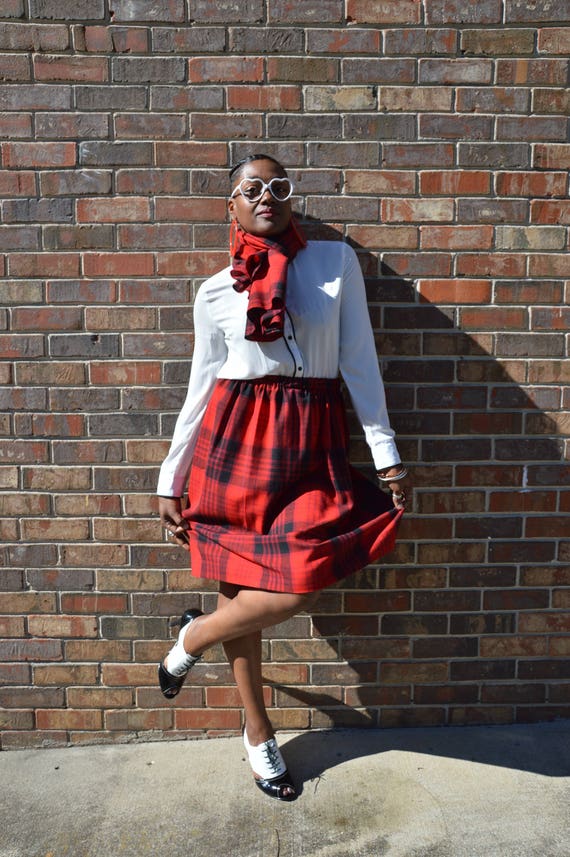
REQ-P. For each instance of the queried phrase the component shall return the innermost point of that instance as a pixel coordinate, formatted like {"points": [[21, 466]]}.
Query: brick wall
{"points": [[433, 135]]}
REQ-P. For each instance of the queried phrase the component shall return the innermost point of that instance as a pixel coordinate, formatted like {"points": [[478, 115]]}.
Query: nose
{"points": [[266, 194]]}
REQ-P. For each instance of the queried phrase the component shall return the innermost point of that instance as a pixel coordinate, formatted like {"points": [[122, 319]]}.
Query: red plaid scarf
{"points": [[260, 267]]}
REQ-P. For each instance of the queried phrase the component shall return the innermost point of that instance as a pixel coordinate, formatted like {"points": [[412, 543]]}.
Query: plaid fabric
{"points": [[274, 503], [260, 267]]}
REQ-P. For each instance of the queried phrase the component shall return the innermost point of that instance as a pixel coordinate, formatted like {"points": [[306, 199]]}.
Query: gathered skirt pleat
{"points": [[273, 502]]}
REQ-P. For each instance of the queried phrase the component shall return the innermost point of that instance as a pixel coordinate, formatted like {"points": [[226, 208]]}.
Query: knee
{"points": [[305, 601]]}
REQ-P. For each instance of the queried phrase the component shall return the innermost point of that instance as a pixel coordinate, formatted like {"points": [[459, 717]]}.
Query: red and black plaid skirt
{"points": [[274, 503]]}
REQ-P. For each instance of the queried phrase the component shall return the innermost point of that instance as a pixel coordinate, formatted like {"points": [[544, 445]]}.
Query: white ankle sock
{"points": [[178, 661]]}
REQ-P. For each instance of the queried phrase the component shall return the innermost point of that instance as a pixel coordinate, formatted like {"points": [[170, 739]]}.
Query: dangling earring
{"points": [[234, 228]]}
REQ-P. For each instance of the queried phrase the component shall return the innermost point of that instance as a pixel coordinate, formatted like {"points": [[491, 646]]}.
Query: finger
{"points": [[177, 535], [399, 499]]}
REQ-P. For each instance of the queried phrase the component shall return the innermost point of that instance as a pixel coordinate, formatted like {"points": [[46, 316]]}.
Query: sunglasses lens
{"points": [[252, 189], [281, 188]]}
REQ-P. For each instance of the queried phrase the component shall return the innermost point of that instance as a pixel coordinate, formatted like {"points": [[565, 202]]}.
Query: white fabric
{"points": [[178, 660], [327, 329]]}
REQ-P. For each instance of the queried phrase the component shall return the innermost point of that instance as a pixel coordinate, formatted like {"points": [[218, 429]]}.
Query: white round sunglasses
{"points": [[252, 189]]}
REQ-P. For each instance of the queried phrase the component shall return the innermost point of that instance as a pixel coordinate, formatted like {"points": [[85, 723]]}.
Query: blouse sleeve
{"points": [[359, 366], [209, 354]]}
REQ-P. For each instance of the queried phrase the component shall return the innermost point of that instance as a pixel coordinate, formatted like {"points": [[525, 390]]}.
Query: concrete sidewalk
{"points": [[446, 792]]}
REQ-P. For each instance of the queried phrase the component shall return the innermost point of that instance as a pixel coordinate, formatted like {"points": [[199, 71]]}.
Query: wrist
{"points": [[392, 474]]}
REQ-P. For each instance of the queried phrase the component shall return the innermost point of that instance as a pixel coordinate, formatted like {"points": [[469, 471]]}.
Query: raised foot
{"points": [[173, 670]]}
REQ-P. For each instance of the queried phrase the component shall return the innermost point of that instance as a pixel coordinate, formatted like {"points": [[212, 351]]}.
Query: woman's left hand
{"points": [[400, 489]]}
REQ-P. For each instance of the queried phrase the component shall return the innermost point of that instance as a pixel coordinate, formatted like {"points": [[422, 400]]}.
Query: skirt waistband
{"points": [[317, 385]]}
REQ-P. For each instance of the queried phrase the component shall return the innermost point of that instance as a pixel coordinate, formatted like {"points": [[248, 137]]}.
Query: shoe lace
{"points": [[272, 755]]}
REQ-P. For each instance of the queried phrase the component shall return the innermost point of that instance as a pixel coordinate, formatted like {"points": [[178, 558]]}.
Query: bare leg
{"points": [[244, 656], [250, 610]]}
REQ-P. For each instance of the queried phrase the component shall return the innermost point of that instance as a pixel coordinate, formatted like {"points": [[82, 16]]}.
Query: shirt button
{"points": [[289, 337]]}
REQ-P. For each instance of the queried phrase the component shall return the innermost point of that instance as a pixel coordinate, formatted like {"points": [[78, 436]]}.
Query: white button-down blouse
{"points": [[327, 330]]}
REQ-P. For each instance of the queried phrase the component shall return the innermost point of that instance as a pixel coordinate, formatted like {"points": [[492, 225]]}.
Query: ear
{"points": [[232, 208]]}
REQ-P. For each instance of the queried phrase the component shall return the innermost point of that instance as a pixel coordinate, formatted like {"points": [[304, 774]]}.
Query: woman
{"points": [[275, 512]]}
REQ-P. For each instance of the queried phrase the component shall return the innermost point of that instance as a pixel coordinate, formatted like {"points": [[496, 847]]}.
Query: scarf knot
{"points": [[259, 266]]}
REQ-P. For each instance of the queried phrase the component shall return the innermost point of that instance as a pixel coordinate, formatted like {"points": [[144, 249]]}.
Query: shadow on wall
{"points": [[486, 465]]}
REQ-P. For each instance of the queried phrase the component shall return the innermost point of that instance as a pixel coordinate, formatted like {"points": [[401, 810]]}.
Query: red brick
{"points": [[498, 42], [99, 39], [72, 68], [118, 264], [207, 719], [455, 71], [44, 264], [179, 209], [554, 40], [544, 623], [550, 211], [343, 41], [17, 183], [113, 374], [520, 11], [228, 697], [12, 626], [384, 237], [139, 721], [410, 210], [25, 318], [455, 182], [537, 72], [56, 719], [170, 11], [94, 603], [113, 210], [547, 101], [491, 318], [549, 265], [377, 602], [531, 128], [462, 291], [383, 12], [419, 264], [555, 527], [301, 70], [14, 67], [396, 155], [225, 69], [531, 184], [211, 126], [56, 425], [95, 650], [418, 41], [263, 98], [491, 265], [453, 12], [39, 154], [415, 98], [513, 646], [14, 125], [383, 182], [190, 154], [456, 237], [152, 181], [190, 264]]}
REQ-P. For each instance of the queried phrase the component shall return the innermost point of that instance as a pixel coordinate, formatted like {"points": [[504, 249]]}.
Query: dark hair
{"points": [[258, 156]]}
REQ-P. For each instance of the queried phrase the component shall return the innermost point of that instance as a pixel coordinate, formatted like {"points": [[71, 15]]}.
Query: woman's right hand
{"points": [[170, 511]]}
